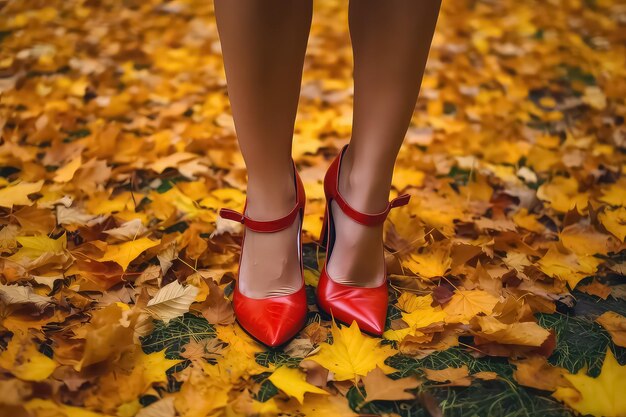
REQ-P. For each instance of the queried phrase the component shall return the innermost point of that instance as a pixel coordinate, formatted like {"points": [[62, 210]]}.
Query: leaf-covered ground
{"points": [[507, 266]]}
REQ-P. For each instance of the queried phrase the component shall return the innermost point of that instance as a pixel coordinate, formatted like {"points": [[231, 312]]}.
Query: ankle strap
{"points": [[269, 226], [331, 190], [263, 226], [367, 218]]}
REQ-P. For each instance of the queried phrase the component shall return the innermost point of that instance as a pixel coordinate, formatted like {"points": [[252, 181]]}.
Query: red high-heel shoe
{"points": [[274, 320], [366, 305]]}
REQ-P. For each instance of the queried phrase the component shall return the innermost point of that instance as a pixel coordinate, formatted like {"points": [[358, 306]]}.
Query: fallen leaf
{"points": [[171, 301], [455, 376], [217, 309], [161, 408], [23, 359], [124, 253], [615, 324], [525, 334], [536, 372], [292, 381], [19, 294], [466, 304], [17, 194], [596, 288], [352, 354], [380, 387], [601, 396], [614, 220]]}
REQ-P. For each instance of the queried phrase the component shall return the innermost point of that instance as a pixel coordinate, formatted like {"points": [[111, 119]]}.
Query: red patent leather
{"points": [[346, 303], [274, 320]]}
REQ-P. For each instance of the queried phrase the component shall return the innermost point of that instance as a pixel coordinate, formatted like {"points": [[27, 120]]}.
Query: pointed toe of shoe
{"points": [[272, 321], [368, 306]]}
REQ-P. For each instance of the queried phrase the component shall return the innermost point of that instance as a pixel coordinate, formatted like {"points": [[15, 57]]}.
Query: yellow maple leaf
{"points": [[433, 262], [150, 368], [35, 246], [568, 267], [528, 221], [292, 381], [615, 194], [403, 178], [121, 388], [479, 188], [562, 194], [17, 194], [66, 173], [201, 395], [422, 314], [238, 339], [525, 334], [103, 203], [466, 304], [124, 253], [584, 240], [614, 221], [410, 302], [233, 365], [352, 354], [437, 210], [601, 396], [400, 334], [23, 359]]}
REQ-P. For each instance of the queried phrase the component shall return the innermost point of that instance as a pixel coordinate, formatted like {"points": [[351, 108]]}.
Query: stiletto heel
{"points": [[323, 238], [273, 320], [346, 303]]}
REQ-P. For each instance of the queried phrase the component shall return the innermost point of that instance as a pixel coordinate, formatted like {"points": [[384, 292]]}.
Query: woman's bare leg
{"points": [[263, 45], [390, 41]]}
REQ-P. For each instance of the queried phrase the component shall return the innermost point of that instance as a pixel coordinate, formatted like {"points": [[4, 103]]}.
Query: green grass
{"points": [[580, 343], [175, 334]]}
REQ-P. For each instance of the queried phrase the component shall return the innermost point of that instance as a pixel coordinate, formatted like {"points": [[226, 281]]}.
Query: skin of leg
{"points": [[263, 46], [390, 42]]}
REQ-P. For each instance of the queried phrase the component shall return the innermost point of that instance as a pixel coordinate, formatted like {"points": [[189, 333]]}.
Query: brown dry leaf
{"points": [[129, 379], [454, 376], [524, 334], [536, 372], [108, 335], [596, 288], [316, 374], [217, 309], [615, 324], [207, 348], [380, 387], [485, 375], [171, 301]]}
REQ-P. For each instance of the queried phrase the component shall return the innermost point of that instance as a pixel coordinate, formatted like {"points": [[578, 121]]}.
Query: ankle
{"points": [[268, 199], [364, 188]]}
